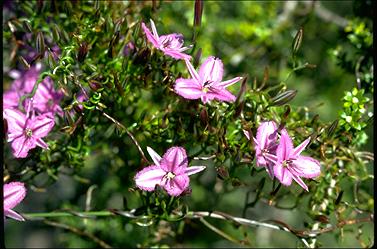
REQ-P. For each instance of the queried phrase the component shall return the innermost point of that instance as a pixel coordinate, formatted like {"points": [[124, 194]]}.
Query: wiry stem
{"points": [[128, 133], [218, 231], [100, 242], [301, 234]]}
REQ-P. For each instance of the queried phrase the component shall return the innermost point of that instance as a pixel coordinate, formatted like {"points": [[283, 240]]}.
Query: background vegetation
{"points": [[93, 156]]}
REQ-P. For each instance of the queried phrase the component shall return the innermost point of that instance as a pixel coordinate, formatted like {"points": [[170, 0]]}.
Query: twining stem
{"points": [[32, 93]]}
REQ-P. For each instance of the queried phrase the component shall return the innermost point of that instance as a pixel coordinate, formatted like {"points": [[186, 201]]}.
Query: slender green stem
{"points": [[66, 214], [218, 231]]}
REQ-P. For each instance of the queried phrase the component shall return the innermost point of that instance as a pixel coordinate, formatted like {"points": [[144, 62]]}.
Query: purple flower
{"points": [[25, 131], [170, 172], [14, 193], [46, 98], [266, 142], [171, 44], [206, 85], [289, 164]]}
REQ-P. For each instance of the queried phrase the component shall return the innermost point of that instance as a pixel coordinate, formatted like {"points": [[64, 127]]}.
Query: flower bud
{"points": [[40, 43], [284, 97], [204, 116], [332, 128], [198, 12], [55, 32], [297, 41], [95, 86], [24, 62], [83, 51], [222, 173]]}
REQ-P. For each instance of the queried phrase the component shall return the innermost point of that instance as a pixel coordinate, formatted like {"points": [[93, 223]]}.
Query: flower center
{"points": [[206, 86], [170, 175], [28, 132], [166, 44], [287, 162]]}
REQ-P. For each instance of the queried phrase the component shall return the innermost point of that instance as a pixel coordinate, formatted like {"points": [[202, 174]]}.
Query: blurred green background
{"points": [[248, 36]]}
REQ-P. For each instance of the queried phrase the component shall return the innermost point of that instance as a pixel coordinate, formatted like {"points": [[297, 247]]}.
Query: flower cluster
{"points": [[45, 100], [171, 172], [282, 160], [26, 130], [206, 85]]}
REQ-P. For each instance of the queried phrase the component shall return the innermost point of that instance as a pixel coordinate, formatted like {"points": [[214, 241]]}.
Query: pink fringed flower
{"points": [[266, 142], [289, 164], [14, 193], [26, 131], [46, 98], [206, 85], [170, 172], [171, 44]]}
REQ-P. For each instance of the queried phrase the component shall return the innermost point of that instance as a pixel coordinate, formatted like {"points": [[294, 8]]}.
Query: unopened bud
{"points": [[40, 43], [24, 62], [95, 86], [204, 116], [26, 26], [55, 32], [332, 128], [284, 97], [197, 57], [297, 41], [198, 12], [83, 51], [222, 173]]}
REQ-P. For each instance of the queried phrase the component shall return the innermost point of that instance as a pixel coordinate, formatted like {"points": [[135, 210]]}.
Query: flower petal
{"points": [[151, 38], [42, 125], [22, 145], [266, 134], [12, 214], [192, 71], [188, 88], [16, 120], [220, 94], [174, 160], [172, 41], [177, 185], [300, 182], [270, 157], [194, 169], [229, 82], [14, 193], [39, 142], [176, 54], [10, 99], [149, 177], [307, 167], [154, 30], [270, 169], [211, 70], [297, 151], [283, 174], [155, 157], [285, 147]]}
